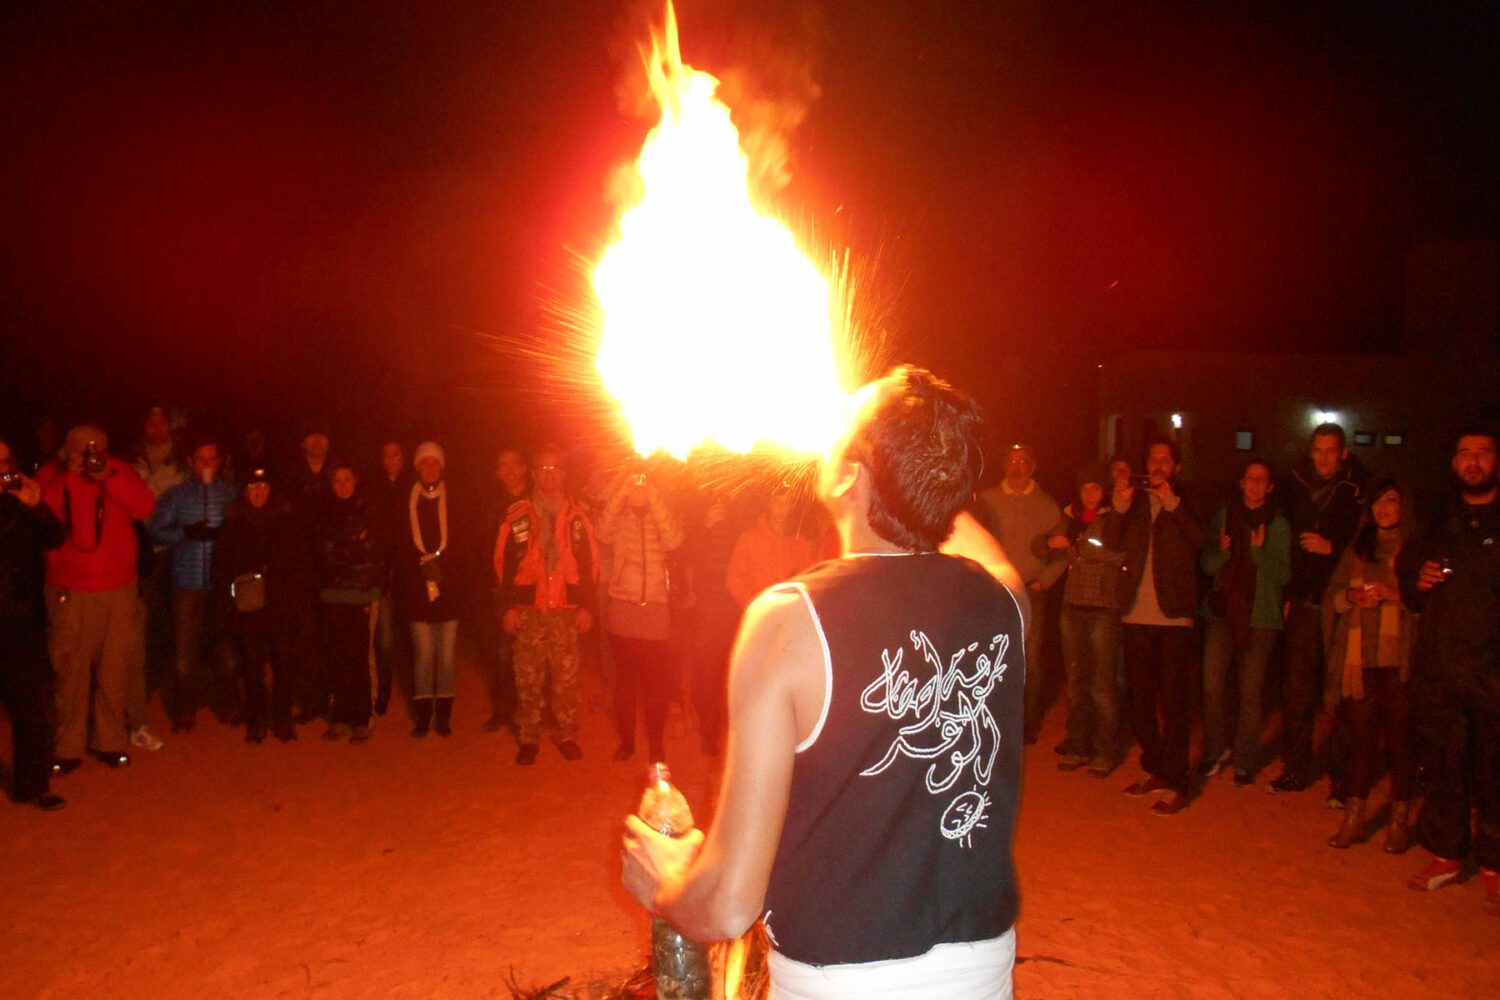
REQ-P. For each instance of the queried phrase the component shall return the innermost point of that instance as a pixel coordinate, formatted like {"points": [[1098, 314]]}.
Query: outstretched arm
{"points": [[776, 693]]}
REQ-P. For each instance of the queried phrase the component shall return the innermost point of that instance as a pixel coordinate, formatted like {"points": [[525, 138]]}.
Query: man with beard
{"points": [[1452, 577]]}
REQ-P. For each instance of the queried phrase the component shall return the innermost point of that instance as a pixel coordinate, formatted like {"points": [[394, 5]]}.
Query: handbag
{"points": [[248, 591]]}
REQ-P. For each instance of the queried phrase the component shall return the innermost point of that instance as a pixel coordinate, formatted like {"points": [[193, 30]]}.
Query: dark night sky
{"points": [[317, 206]]}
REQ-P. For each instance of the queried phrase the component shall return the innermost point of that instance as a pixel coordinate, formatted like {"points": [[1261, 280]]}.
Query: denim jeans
{"points": [[1250, 661], [432, 671], [1090, 640]]}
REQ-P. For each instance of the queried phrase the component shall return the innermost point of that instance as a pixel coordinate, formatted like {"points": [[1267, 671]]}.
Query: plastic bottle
{"points": [[681, 966]]}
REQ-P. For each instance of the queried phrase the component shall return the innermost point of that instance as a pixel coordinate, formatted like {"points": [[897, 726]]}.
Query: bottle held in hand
{"points": [[681, 966]]}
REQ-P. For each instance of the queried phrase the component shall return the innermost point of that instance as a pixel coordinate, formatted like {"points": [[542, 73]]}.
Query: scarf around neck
{"points": [[441, 496]]}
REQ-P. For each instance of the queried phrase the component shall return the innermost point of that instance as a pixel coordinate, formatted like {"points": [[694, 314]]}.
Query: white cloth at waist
{"points": [[972, 970]]}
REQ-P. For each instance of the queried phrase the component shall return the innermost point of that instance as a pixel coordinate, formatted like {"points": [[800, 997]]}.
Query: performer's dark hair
{"points": [[921, 447]]}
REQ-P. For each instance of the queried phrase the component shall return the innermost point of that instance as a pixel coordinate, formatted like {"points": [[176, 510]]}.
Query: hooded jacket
{"points": [[642, 537]]}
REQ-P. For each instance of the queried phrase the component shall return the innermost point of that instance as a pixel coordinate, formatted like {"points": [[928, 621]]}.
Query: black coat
{"points": [[1458, 637], [26, 533], [266, 540], [1330, 508], [347, 547], [1174, 539]]}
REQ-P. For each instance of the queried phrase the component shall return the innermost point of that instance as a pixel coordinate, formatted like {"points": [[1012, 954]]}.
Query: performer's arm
{"points": [[971, 541], [776, 694]]}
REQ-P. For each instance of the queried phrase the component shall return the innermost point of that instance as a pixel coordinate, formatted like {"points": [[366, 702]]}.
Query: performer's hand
{"points": [[649, 858], [512, 621]]}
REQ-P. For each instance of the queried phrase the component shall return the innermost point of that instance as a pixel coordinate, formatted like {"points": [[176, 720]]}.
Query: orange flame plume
{"points": [[716, 327]]}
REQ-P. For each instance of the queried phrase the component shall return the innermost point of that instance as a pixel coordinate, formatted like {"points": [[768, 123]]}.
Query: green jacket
{"points": [[1273, 567]]}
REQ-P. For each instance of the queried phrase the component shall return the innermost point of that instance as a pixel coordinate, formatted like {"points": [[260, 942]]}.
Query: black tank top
{"points": [[903, 800]]}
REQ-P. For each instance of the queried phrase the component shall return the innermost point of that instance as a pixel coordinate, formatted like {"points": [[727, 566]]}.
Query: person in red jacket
{"points": [[769, 552], [92, 596]]}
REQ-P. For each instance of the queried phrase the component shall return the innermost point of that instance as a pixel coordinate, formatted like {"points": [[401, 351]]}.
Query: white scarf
{"points": [[441, 495]]}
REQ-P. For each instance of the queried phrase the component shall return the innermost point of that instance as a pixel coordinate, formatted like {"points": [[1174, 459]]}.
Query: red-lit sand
{"points": [[432, 868]]}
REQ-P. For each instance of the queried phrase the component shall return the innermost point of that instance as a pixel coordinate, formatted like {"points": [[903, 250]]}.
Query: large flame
{"points": [[716, 327]]}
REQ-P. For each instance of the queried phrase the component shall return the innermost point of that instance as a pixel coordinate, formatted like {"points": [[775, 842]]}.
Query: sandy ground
{"points": [[438, 868]]}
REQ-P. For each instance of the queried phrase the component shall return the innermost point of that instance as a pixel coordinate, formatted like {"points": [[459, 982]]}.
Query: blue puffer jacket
{"points": [[177, 517]]}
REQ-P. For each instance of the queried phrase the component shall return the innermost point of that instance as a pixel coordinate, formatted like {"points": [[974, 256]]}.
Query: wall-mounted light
{"points": [[1325, 416], [1177, 421]]}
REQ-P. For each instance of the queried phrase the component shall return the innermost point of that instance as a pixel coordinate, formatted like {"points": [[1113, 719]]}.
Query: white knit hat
{"points": [[429, 449]]}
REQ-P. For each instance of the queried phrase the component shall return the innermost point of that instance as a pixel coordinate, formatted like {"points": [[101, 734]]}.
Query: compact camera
{"points": [[94, 459]]}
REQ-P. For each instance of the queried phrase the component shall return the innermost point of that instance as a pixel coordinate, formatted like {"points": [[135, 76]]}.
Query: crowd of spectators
{"points": [[275, 594]]}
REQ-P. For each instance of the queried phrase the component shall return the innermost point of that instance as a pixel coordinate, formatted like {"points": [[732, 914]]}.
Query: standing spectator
{"points": [[426, 592], [1324, 506], [1452, 576], [546, 559], [1248, 555], [348, 573], [1022, 517], [1092, 534], [259, 571], [93, 598], [642, 528], [512, 483], [1162, 538], [389, 496], [187, 517], [716, 616], [769, 552], [28, 529], [1370, 634], [155, 459], [308, 488]]}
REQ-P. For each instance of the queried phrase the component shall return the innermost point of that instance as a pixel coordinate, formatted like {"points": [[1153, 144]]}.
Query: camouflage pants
{"points": [[546, 638]]}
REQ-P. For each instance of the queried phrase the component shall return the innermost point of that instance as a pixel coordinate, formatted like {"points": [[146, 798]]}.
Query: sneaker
{"points": [[1243, 779], [143, 738], [1438, 873], [66, 765], [1145, 787], [1171, 805], [1101, 767], [111, 757], [1208, 768], [1491, 880], [570, 750], [1288, 781], [1072, 762], [526, 756]]}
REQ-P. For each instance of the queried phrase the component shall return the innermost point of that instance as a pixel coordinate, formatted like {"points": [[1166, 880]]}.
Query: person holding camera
{"points": [[188, 517], [27, 530], [93, 598], [642, 528]]}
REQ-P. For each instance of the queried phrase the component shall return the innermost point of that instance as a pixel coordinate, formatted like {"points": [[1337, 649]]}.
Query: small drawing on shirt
{"points": [[951, 723]]}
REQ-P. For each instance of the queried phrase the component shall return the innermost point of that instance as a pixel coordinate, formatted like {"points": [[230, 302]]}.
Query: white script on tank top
{"points": [[953, 725]]}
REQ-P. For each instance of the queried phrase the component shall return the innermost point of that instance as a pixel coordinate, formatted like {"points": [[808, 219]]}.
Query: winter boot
{"points": [[1354, 821], [1398, 834], [444, 717], [421, 715]]}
